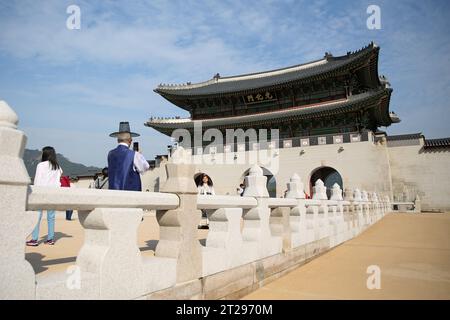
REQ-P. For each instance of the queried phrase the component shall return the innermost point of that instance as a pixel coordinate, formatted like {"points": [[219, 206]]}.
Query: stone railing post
{"points": [[110, 261], [388, 204], [366, 208], [339, 227], [369, 209], [257, 220], [385, 200], [417, 204], [297, 218], [311, 221], [178, 227], [320, 193], [358, 207], [225, 248], [349, 213], [382, 204], [17, 277], [279, 226], [376, 206]]}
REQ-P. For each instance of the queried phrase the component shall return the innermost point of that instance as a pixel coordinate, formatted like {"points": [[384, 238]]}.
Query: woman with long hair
{"points": [[48, 174], [205, 185]]}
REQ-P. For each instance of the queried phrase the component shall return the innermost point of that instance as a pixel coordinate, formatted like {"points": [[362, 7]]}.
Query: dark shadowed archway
{"points": [[329, 176]]}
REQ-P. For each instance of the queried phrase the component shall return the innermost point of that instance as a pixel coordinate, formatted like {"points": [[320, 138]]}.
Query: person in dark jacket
{"points": [[125, 165]]}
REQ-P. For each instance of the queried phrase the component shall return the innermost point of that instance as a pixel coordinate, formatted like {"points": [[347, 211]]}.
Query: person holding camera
{"points": [[241, 189], [101, 182], [125, 165]]}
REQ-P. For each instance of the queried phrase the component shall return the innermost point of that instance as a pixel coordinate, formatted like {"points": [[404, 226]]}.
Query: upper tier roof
{"points": [[218, 85]]}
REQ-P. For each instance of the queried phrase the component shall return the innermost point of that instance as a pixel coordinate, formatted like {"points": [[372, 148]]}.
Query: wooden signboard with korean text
{"points": [[259, 97]]}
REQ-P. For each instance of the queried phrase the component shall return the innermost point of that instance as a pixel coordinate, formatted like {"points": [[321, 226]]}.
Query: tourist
{"points": [[92, 184], [125, 165], [205, 186], [241, 189], [48, 174], [65, 183], [102, 180]]}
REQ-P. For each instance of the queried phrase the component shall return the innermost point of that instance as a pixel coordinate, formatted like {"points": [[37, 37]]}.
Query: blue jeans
{"points": [[51, 225]]}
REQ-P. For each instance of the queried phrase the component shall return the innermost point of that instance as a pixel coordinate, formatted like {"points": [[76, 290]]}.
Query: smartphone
{"points": [[136, 146]]}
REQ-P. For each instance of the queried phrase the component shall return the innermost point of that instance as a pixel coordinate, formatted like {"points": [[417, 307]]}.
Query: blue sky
{"points": [[71, 88]]}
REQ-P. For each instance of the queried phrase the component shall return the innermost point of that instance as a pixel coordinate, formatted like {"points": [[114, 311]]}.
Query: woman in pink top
{"points": [[48, 174]]}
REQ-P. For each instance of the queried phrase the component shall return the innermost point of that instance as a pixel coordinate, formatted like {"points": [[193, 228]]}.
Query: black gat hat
{"points": [[124, 127]]}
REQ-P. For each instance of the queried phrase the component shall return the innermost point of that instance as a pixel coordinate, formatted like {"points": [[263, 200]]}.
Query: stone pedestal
{"points": [[17, 278], [178, 227], [257, 220], [225, 248], [297, 219]]}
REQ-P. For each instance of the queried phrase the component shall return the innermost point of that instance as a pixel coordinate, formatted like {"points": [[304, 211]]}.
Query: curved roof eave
{"points": [[308, 111], [271, 78]]}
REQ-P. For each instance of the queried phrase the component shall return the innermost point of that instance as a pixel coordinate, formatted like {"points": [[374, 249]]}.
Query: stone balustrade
{"points": [[251, 238]]}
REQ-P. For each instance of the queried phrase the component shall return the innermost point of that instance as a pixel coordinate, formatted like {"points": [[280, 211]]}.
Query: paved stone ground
{"points": [[412, 251], [69, 237]]}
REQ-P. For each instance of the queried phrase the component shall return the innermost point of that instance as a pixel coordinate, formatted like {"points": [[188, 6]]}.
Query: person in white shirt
{"points": [[48, 174], [205, 186]]}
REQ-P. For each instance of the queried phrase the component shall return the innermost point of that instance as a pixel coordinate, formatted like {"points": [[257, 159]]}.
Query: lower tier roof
{"points": [[376, 99]]}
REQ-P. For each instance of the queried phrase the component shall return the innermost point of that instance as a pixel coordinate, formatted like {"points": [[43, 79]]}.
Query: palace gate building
{"points": [[329, 114]]}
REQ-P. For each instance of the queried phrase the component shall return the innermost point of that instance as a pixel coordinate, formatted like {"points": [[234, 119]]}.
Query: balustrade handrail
{"points": [[47, 198], [226, 201], [313, 202], [282, 202]]}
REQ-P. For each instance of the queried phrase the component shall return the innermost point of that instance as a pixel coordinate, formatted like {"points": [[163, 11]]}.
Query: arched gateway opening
{"points": [[329, 176], [271, 181]]}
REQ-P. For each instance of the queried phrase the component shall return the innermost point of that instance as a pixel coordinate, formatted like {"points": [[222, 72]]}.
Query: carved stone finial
{"points": [[8, 118], [255, 183], [357, 195], [348, 194], [295, 188], [364, 196], [319, 190], [336, 193], [374, 197]]}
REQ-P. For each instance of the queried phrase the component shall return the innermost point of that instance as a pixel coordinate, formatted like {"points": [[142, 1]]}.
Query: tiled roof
{"points": [[409, 136], [437, 143], [264, 79], [344, 105]]}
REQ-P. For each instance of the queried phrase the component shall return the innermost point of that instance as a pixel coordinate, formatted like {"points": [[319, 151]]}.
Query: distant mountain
{"points": [[33, 157]]}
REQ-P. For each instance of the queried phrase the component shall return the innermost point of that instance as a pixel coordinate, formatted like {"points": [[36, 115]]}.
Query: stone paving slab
{"points": [[412, 251]]}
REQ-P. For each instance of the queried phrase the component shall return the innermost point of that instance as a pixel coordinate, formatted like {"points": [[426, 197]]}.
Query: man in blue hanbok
{"points": [[125, 165]]}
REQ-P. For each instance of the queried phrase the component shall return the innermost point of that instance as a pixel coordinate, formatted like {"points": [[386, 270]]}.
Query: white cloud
{"points": [[106, 71]]}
